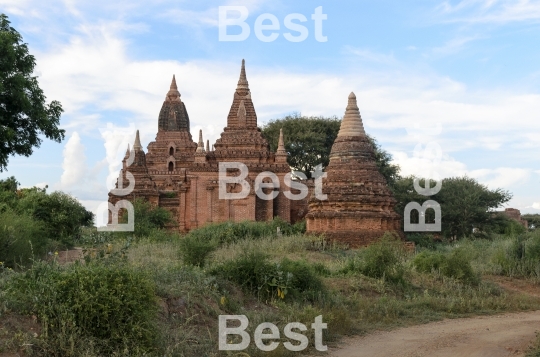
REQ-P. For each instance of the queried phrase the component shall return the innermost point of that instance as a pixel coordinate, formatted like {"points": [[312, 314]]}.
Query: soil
{"points": [[509, 334]]}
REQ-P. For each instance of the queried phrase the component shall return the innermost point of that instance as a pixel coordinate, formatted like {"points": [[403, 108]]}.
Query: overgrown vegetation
{"points": [[175, 290], [34, 222]]}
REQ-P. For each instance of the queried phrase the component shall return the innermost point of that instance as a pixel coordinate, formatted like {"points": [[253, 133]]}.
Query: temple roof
{"points": [[173, 115], [351, 124], [242, 113]]}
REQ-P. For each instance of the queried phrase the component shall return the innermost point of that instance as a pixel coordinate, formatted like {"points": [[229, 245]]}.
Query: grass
{"points": [[356, 292]]}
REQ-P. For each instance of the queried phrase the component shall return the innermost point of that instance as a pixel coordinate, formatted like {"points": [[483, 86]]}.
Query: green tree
{"points": [[465, 203], [532, 219], [24, 115], [61, 214], [309, 140], [147, 217]]}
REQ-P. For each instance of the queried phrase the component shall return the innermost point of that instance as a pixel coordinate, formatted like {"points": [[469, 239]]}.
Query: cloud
{"points": [[491, 11], [74, 164], [454, 45], [536, 205], [370, 56], [502, 177]]}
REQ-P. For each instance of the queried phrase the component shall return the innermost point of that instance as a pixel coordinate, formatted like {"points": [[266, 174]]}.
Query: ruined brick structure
{"points": [[515, 214], [182, 176], [359, 207]]}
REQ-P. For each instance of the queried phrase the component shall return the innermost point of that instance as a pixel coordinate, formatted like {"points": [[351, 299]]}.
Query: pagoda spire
{"points": [[200, 146], [207, 145], [137, 145], [173, 95], [281, 145], [351, 125], [242, 81]]}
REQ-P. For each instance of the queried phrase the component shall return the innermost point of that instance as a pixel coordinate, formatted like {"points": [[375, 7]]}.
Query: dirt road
{"points": [[489, 336]]}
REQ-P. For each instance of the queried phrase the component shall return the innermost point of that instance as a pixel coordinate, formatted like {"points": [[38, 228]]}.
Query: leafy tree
{"points": [[61, 213], [465, 204], [148, 217], [309, 140], [24, 115], [532, 219]]}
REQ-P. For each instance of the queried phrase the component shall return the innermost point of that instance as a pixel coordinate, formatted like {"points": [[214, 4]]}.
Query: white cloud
{"points": [[368, 55], [74, 164], [501, 177], [536, 205], [491, 11]]}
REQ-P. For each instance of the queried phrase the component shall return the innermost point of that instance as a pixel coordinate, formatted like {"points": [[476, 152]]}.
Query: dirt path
{"points": [[486, 336]]}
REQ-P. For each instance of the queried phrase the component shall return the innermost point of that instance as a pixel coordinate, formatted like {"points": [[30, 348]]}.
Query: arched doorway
{"points": [[171, 166], [171, 151]]}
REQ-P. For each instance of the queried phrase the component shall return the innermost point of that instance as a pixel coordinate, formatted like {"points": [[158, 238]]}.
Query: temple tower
{"points": [[360, 206]]}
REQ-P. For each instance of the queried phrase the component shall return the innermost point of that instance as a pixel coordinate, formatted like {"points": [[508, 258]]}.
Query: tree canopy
{"points": [[24, 114], [308, 140], [465, 203]]}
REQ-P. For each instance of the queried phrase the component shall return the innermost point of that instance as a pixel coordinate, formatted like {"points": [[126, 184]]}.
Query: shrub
{"points": [[456, 265], [423, 240], [148, 218], [195, 251], [231, 232], [110, 307], [21, 239], [383, 259], [427, 262], [520, 258], [266, 280]]}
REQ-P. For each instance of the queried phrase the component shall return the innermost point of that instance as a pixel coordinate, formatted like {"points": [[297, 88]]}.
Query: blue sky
{"points": [[470, 67]]}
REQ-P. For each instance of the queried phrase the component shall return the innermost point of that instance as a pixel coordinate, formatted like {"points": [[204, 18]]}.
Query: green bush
{"points": [[519, 258], [455, 265], [383, 259], [423, 240], [111, 307], [232, 232], [427, 262], [195, 251], [21, 239], [148, 218], [266, 280]]}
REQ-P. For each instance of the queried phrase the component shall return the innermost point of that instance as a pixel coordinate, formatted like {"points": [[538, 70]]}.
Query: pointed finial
{"points": [[242, 82], [351, 125], [200, 145], [207, 145], [137, 145], [281, 145], [173, 95], [127, 151]]}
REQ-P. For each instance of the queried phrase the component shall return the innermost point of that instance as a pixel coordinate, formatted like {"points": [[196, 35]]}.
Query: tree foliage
{"points": [[465, 203], [24, 114], [309, 140], [32, 221]]}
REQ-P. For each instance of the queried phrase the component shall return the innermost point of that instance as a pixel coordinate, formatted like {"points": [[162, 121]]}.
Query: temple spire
{"points": [[242, 82], [207, 145], [137, 145], [173, 95], [200, 146], [127, 152], [351, 124], [281, 145]]}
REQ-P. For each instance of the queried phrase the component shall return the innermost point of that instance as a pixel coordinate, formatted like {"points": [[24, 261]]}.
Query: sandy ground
{"points": [[486, 336]]}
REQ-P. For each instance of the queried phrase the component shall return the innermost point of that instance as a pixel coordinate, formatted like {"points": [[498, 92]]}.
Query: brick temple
{"points": [[181, 175], [359, 207]]}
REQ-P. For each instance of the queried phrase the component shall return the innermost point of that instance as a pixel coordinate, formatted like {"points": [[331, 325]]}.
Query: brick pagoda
{"points": [[359, 207]]}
